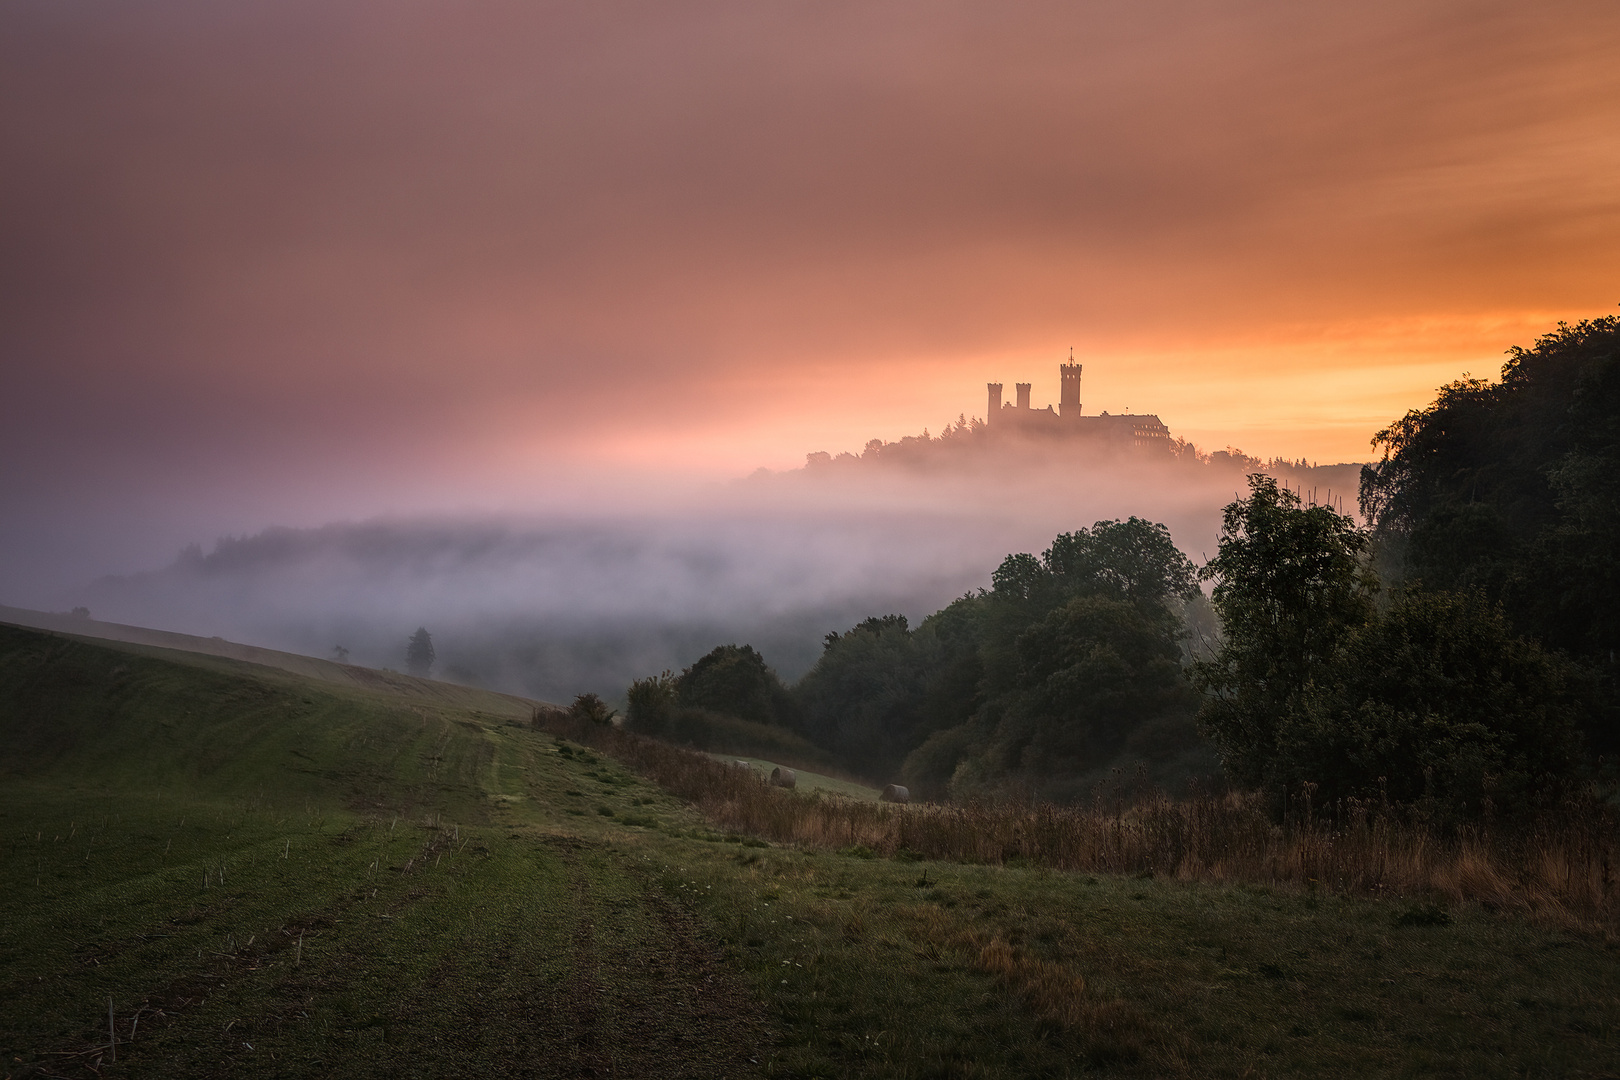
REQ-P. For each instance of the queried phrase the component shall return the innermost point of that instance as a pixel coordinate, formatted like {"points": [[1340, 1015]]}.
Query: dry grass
{"points": [[1561, 869], [1110, 1031]]}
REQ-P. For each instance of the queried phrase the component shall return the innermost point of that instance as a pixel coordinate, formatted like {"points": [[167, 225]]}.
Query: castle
{"points": [[1122, 430]]}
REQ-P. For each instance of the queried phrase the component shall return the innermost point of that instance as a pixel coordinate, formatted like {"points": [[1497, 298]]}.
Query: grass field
{"points": [[804, 780], [266, 875]]}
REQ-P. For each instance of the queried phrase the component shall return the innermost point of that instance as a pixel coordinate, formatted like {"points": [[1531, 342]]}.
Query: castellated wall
{"points": [[1144, 431]]}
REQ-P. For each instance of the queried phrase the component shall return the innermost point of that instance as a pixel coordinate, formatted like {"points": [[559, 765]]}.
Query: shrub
{"points": [[651, 703], [1435, 701], [590, 709], [546, 717], [735, 680]]}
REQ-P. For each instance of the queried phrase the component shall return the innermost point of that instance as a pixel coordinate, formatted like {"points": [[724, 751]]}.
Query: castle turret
{"points": [[1069, 398], [1023, 394], [995, 403]]}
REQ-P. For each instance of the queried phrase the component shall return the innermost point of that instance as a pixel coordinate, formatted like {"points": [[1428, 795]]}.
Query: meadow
{"points": [[215, 868], [1562, 869]]}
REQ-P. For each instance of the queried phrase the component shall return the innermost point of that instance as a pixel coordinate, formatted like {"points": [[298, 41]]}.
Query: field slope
{"points": [[263, 872]]}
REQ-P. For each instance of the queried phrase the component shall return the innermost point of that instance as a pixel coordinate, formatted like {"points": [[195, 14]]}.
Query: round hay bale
{"points": [[781, 777], [895, 793]]}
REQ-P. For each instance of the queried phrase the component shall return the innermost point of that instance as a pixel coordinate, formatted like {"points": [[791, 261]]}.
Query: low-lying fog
{"points": [[554, 605]]}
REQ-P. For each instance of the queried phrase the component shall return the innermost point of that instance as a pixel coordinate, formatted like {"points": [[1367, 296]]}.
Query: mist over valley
{"points": [[556, 605]]}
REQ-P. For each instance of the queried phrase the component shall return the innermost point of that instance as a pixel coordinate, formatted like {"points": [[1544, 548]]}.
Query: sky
{"points": [[300, 262]]}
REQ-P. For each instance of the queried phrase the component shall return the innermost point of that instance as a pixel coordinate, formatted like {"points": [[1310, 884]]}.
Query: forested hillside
{"points": [[1455, 654], [1066, 669]]}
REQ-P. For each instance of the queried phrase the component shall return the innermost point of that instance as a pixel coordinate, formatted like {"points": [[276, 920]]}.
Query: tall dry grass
{"points": [[1561, 867]]}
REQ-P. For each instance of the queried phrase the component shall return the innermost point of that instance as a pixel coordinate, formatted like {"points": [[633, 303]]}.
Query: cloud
{"points": [[299, 261]]}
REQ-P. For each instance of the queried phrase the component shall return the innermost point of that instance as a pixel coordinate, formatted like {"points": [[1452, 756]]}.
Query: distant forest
{"points": [[965, 439], [1455, 650]]}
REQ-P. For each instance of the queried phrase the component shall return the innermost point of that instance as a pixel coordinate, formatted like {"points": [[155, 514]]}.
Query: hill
{"points": [[250, 871], [186, 647]]}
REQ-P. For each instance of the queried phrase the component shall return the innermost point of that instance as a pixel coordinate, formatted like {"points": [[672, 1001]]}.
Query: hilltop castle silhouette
{"points": [[1124, 429], [1010, 427]]}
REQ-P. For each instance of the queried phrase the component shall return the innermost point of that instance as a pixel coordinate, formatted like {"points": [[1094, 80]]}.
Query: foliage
{"points": [[591, 709], [1037, 682], [1090, 673], [650, 704], [708, 707], [1291, 583], [865, 697], [736, 681], [1133, 561], [719, 733], [1435, 701], [1431, 700], [419, 654], [1513, 488]]}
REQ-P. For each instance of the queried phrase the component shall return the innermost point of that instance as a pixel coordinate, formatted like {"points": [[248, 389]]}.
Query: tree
{"points": [[1091, 672], [1431, 699], [591, 709], [1435, 700], [1513, 488], [861, 698], [1042, 677], [1020, 577], [1133, 560], [419, 654], [650, 704], [736, 681], [1291, 583]]}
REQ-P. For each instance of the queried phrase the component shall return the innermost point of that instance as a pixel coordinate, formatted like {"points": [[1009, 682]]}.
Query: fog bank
{"points": [[556, 605]]}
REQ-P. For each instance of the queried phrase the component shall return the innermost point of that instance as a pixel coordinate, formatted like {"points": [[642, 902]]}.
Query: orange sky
{"points": [[302, 260]]}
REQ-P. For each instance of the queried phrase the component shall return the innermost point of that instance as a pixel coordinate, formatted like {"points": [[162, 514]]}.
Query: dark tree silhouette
{"points": [[590, 708], [736, 681], [1428, 699], [1043, 678], [1513, 488], [419, 654], [1291, 582]]}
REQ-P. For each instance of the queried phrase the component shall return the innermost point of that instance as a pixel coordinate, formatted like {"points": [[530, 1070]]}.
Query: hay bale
{"points": [[781, 777], [895, 793]]}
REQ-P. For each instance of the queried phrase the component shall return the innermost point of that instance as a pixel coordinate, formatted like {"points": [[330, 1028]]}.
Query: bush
{"points": [[590, 709], [651, 703], [545, 717], [735, 680], [1435, 701]]}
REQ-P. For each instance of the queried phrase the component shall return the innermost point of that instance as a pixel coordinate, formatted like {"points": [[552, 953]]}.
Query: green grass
{"points": [[804, 780], [890, 969], [272, 876]]}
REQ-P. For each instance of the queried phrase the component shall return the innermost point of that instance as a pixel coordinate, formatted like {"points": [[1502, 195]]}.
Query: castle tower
{"points": [[1023, 394], [995, 403], [1069, 398]]}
